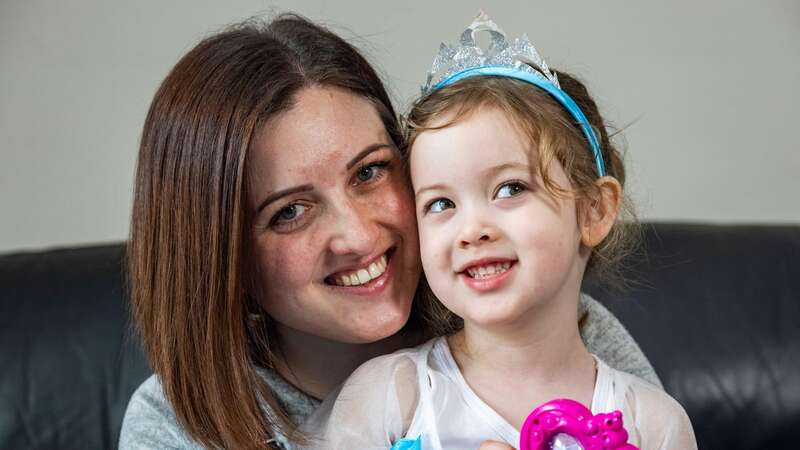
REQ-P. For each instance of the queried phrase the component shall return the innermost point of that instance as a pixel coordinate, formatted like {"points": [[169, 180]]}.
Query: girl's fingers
{"points": [[494, 445]]}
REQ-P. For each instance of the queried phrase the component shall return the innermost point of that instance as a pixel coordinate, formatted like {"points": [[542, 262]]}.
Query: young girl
{"points": [[517, 191]]}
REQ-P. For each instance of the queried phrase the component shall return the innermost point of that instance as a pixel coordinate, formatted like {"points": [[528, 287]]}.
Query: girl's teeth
{"points": [[363, 276], [488, 270]]}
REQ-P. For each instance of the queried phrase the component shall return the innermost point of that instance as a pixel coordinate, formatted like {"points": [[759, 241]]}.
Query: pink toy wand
{"points": [[567, 424]]}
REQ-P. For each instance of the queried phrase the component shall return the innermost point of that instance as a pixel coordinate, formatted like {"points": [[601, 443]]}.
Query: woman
{"points": [[273, 246]]}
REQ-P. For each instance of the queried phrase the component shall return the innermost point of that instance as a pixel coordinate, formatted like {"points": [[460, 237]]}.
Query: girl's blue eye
{"points": [[510, 189], [439, 205]]}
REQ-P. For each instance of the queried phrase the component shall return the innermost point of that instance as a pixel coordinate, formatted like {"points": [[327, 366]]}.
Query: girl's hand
{"points": [[494, 445]]}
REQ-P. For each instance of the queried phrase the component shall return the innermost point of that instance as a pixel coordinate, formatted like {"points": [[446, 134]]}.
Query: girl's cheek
{"points": [[434, 250], [550, 246]]}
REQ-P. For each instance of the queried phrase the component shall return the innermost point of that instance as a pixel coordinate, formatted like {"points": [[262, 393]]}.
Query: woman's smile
{"points": [[370, 278]]}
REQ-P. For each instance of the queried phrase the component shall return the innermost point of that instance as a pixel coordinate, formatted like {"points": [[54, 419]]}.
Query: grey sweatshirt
{"points": [[150, 421]]}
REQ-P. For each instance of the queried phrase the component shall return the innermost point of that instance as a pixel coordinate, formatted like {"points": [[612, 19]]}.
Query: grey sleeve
{"points": [[607, 338], [150, 422]]}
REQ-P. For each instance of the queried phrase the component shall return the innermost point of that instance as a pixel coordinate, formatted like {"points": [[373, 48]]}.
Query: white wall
{"points": [[711, 89]]}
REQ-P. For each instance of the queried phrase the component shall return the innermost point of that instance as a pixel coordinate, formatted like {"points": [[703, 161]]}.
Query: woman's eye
{"points": [[370, 172], [288, 214], [439, 205], [509, 190]]}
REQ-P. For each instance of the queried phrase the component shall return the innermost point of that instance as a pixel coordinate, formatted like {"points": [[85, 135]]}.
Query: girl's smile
{"points": [[487, 274]]}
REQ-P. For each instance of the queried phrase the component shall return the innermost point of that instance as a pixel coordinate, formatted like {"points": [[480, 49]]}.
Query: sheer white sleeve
{"points": [[661, 423], [371, 410]]}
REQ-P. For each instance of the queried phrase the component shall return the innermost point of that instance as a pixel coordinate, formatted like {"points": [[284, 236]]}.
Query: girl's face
{"points": [[333, 235], [495, 245]]}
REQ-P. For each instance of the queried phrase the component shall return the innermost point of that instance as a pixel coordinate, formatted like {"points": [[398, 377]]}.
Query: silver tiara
{"points": [[520, 54]]}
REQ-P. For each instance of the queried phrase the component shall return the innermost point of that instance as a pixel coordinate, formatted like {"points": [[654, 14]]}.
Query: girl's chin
{"points": [[494, 318]]}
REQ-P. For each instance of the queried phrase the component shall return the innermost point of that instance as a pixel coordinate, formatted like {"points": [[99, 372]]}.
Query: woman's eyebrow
{"points": [[278, 194], [363, 153], [307, 187]]}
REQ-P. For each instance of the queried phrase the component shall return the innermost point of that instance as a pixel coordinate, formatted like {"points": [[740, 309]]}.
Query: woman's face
{"points": [[333, 235]]}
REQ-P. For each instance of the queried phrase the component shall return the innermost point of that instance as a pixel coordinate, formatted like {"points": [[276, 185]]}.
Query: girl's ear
{"points": [[599, 214]]}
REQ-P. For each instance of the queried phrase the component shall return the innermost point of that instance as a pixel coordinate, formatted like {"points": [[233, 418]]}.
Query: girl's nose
{"points": [[476, 234]]}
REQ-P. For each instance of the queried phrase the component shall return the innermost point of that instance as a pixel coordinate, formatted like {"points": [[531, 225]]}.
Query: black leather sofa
{"points": [[716, 308]]}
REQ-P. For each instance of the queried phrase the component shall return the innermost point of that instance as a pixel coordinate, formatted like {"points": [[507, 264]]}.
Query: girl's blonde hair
{"points": [[554, 136]]}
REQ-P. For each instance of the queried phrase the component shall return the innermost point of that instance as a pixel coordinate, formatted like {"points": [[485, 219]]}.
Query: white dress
{"points": [[421, 392]]}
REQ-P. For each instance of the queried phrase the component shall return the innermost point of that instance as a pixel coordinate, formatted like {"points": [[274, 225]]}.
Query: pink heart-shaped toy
{"points": [[603, 431]]}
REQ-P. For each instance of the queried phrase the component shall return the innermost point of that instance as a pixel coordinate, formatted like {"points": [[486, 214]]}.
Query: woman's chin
{"points": [[378, 328]]}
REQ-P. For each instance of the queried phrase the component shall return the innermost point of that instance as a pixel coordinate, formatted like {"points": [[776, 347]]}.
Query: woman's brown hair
{"points": [[554, 136], [187, 256]]}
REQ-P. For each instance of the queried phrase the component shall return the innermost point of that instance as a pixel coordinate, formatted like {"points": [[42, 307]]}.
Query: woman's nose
{"points": [[354, 232]]}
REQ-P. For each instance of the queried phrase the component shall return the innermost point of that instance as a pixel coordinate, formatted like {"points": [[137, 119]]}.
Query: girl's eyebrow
{"points": [[494, 170], [488, 172], [278, 194], [433, 187]]}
